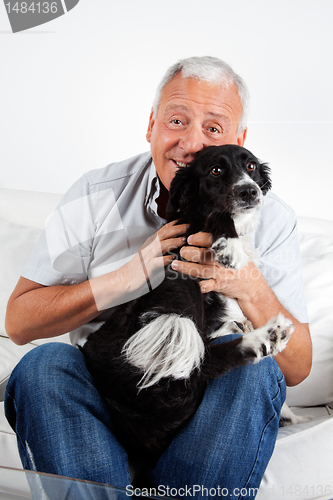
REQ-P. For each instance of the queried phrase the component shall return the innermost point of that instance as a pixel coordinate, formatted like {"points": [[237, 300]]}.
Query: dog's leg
{"points": [[230, 252], [254, 346], [233, 319], [232, 326], [228, 328], [235, 252], [168, 346], [287, 417], [270, 339]]}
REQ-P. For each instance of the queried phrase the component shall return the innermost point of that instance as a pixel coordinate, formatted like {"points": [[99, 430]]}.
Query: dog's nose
{"points": [[247, 194]]}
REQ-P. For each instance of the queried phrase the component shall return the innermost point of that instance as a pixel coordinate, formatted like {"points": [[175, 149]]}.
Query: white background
{"points": [[76, 93]]}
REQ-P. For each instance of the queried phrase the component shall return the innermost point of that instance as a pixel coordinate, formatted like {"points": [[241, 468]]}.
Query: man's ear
{"points": [[150, 125], [241, 138]]}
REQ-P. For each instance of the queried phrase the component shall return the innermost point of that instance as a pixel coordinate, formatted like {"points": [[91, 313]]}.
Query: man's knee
{"points": [[260, 385], [41, 365], [265, 380]]}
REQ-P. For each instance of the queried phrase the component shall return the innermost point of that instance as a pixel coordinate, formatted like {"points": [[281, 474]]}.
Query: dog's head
{"points": [[226, 179]]}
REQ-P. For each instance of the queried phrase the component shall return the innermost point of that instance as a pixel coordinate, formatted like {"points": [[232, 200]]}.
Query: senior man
{"points": [[60, 419]]}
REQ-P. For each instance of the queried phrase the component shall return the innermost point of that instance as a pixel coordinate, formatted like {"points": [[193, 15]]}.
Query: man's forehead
{"points": [[209, 112], [189, 95]]}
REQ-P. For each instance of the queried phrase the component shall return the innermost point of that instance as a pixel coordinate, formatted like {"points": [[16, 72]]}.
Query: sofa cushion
{"points": [[16, 246], [317, 262], [301, 465], [27, 208], [9, 455], [10, 354]]}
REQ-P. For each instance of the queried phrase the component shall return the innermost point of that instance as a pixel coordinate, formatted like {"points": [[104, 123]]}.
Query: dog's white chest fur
{"points": [[238, 252]]}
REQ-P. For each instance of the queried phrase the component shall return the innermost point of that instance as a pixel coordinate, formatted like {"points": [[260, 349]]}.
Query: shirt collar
{"points": [[153, 189]]}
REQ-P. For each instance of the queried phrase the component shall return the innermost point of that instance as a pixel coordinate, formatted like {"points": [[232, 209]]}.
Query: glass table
{"points": [[18, 484]]}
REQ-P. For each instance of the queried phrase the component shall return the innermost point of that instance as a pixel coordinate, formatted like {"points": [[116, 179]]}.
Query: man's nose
{"points": [[193, 140]]}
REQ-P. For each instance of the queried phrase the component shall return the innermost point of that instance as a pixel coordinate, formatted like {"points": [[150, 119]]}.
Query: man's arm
{"points": [[35, 311], [255, 298], [259, 304]]}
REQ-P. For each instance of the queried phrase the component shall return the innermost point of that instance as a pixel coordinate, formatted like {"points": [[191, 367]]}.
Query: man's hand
{"points": [[145, 270], [201, 263], [153, 255]]}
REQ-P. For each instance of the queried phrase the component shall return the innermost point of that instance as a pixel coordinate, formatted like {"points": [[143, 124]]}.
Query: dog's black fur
{"points": [[208, 195]]}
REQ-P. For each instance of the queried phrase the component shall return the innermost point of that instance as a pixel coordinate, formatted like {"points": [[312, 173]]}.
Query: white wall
{"points": [[76, 92]]}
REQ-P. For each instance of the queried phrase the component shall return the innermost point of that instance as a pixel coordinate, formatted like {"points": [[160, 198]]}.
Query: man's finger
{"points": [[192, 269], [200, 240], [207, 285], [196, 254], [172, 230], [172, 244]]}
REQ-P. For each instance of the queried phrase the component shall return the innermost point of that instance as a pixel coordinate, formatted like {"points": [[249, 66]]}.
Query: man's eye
{"points": [[213, 130], [176, 121]]}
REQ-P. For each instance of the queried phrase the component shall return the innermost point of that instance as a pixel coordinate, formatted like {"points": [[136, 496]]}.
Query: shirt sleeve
{"points": [[280, 260], [63, 251]]}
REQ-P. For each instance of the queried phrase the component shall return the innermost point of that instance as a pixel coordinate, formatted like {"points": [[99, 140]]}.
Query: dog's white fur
{"points": [[169, 346], [239, 251]]}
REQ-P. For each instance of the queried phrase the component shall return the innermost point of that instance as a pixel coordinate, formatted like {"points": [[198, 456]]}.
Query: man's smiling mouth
{"points": [[181, 164]]}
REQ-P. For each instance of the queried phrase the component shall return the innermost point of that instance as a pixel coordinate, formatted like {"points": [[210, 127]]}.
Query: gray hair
{"points": [[208, 69]]}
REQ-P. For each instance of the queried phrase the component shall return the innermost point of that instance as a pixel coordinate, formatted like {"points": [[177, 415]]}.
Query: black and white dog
{"points": [[153, 358]]}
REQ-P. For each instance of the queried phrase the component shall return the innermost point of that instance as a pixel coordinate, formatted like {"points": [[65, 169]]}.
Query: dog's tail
{"points": [[168, 346]]}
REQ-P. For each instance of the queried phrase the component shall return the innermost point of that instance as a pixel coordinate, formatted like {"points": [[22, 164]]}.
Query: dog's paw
{"points": [[288, 417], [269, 339], [279, 331], [230, 253], [247, 326], [285, 422], [219, 245]]}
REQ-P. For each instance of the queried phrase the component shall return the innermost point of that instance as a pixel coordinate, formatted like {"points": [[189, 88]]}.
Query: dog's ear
{"points": [[182, 195], [265, 182]]}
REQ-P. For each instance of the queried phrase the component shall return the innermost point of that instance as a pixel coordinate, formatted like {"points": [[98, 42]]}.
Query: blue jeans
{"points": [[63, 428]]}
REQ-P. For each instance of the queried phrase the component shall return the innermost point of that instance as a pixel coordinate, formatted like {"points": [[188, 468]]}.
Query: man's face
{"points": [[191, 116]]}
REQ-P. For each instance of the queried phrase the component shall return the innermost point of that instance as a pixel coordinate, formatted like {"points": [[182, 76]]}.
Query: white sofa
{"points": [[302, 464]]}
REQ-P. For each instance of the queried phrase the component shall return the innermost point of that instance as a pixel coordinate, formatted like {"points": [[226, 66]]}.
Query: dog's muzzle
{"points": [[247, 195]]}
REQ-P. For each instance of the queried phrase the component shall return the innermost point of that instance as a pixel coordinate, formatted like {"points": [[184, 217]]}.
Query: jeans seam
{"points": [[278, 394]]}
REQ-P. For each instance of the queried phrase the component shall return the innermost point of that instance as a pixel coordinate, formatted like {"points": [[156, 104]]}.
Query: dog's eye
{"points": [[251, 167], [216, 171]]}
